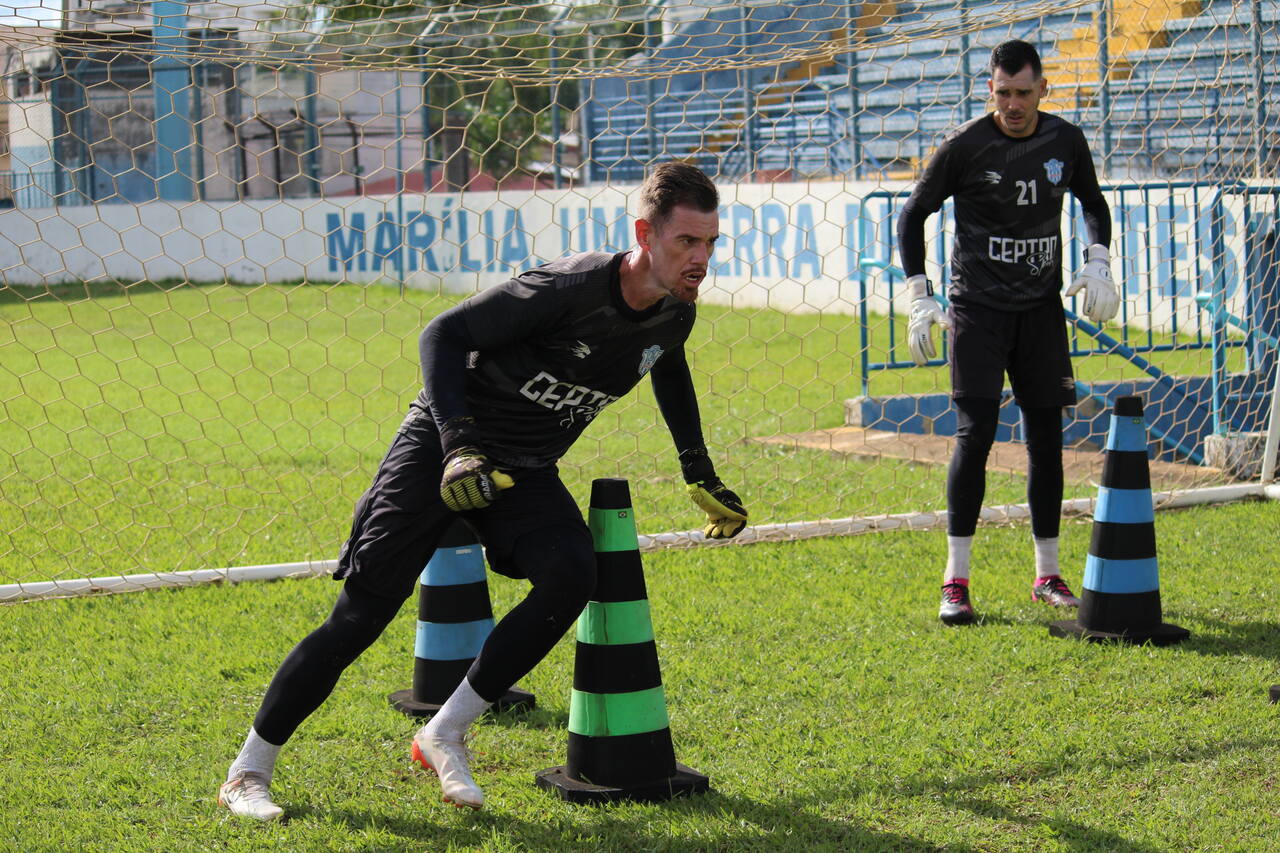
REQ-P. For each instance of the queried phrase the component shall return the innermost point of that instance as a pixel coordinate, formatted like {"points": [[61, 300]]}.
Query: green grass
{"points": [[811, 681], [161, 427]]}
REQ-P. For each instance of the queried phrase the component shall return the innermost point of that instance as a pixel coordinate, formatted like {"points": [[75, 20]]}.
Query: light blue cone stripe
{"points": [[1127, 433], [1121, 576], [451, 640], [453, 566], [1124, 506]]}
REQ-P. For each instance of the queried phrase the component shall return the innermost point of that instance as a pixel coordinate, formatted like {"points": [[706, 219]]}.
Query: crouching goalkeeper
{"points": [[512, 376]]}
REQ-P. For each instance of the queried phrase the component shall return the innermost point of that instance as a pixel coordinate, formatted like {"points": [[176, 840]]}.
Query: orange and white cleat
{"points": [[248, 795], [451, 761]]}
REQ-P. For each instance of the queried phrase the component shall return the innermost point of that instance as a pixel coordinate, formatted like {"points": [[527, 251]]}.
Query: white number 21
{"points": [[1026, 192]]}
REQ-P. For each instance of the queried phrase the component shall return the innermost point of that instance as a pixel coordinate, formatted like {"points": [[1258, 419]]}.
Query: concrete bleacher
{"points": [[1182, 96], [1192, 100]]}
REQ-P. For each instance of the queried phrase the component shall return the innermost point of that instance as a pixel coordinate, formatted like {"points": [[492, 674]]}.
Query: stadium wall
{"points": [[789, 246]]}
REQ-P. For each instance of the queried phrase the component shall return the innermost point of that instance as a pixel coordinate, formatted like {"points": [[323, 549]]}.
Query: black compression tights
{"points": [[561, 566], [976, 420], [311, 671]]}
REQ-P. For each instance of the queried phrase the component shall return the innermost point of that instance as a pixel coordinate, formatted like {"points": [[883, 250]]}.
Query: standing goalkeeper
{"points": [[512, 377], [1008, 172]]}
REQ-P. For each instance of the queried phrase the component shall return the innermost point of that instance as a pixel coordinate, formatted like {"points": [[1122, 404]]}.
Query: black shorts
{"points": [[1031, 346], [401, 518]]}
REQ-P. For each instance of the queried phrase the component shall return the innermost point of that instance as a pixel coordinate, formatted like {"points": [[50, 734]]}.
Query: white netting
{"points": [[196, 374]]}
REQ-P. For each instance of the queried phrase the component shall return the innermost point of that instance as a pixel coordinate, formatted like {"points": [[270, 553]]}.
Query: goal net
{"points": [[223, 225]]}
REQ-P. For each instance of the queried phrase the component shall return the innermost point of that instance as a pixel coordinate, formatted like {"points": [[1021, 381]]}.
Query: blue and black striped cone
{"points": [[1121, 597], [454, 620], [619, 735]]}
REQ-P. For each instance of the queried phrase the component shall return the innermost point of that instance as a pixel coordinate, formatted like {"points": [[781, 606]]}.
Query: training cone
{"points": [[454, 620], [619, 735], [1121, 598]]}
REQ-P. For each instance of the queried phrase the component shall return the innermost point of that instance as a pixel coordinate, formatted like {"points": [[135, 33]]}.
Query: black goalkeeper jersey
{"points": [[549, 350], [1008, 194]]}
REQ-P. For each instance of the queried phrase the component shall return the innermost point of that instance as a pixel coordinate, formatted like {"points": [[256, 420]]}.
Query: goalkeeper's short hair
{"points": [[1014, 55], [674, 184]]}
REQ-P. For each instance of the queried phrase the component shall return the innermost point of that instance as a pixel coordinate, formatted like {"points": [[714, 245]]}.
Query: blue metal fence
{"points": [[1182, 410]]}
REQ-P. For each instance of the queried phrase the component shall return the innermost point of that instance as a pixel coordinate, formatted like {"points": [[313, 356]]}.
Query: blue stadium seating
{"points": [[1189, 104]]}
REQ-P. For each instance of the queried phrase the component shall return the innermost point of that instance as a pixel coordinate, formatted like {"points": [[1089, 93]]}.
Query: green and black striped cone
{"points": [[454, 620], [1121, 595], [619, 735]]}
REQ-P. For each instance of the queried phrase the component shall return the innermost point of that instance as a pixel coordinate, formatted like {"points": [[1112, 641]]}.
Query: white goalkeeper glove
{"points": [[925, 311], [1101, 298]]}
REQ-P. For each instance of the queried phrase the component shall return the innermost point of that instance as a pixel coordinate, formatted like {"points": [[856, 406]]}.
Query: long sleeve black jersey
{"points": [[536, 359], [1008, 194]]}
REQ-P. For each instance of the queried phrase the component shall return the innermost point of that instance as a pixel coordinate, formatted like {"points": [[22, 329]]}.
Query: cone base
{"points": [[514, 699], [1275, 693], [686, 781], [1163, 634]]}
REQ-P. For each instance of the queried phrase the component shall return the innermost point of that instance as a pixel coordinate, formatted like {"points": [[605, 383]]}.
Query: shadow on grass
{"points": [[723, 823], [957, 792], [535, 718], [985, 618], [1073, 835], [1232, 639]]}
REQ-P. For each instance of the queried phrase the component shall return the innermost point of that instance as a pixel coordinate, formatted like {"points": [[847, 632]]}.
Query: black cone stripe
{"points": [[616, 669], [610, 493], [1116, 612], [464, 602], [459, 535], [619, 576], [623, 759], [1126, 469], [1115, 541], [435, 680], [1129, 406]]}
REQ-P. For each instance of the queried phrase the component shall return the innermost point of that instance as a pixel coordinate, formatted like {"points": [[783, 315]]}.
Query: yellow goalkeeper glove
{"points": [[726, 516], [470, 481]]}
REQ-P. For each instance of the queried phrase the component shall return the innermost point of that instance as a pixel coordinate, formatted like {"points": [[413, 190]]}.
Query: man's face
{"points": [[1017, 98], [680, 249]]}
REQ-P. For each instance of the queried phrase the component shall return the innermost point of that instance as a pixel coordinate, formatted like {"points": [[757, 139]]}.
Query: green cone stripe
{"points": [[613, 529], [612, 714], [615, 623]]}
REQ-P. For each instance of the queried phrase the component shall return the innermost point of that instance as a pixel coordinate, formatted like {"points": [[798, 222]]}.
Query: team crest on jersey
{"points": [[1053, 168], [649, 358]]}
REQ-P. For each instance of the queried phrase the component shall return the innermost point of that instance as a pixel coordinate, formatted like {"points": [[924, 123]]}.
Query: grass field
{"points": [[164, 427], [811, 681]]}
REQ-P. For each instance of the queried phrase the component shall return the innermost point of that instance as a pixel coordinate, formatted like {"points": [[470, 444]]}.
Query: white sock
{"points": [[256, 756], [457, 714], [1046, 556], [958, 548]]}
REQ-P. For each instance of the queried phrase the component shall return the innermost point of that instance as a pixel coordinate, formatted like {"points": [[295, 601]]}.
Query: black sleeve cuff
{"points": [[696, 465]]}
